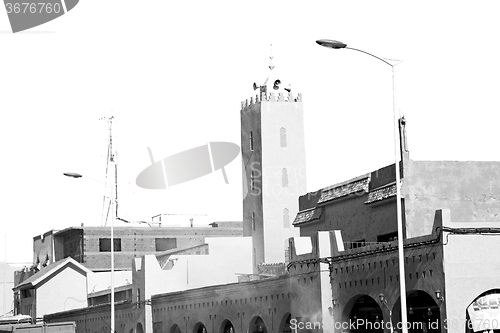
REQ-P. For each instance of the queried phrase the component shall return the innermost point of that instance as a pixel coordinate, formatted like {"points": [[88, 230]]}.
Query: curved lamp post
{"points": [[384, 301], [334, 44], [77, 175]]}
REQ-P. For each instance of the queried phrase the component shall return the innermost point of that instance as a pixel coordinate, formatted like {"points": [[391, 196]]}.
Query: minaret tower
{"points": [[274, 168]]}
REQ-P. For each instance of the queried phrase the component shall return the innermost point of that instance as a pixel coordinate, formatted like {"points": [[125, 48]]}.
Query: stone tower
{"points": [[274, 169]]}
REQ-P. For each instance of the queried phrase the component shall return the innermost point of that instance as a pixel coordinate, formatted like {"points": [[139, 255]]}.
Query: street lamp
{"points": [[439, 295], [334, 44], [384, 301], [77, 175]]}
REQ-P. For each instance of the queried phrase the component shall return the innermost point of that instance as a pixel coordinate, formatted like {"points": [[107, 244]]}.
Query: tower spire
{"points": [[271, 66]]}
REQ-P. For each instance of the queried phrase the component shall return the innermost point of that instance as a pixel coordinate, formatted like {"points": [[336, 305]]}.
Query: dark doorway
{"points": [[199, 328], [367, 315], [423, 314], [258, 326], [228, 327]]}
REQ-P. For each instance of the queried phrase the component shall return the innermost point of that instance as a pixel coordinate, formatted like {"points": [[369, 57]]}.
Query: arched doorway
{"points": [[366, 315], [175, 329], [423, 313], [483, 313], [139, 328], [227, 327], [257, 325], [285, 324], [199, 328]]}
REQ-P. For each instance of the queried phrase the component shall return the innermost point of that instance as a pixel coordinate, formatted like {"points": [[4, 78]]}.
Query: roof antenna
{"points": [[271, 67]]}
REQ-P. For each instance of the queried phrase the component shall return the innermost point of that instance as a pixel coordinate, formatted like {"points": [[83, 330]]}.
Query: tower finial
{"points": [[271, 66]]}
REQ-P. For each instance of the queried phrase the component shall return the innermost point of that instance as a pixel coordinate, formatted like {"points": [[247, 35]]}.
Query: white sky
{"points": [[174, 74]]}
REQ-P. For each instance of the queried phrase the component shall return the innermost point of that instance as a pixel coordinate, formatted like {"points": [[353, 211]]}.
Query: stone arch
{"points": [[422, 310], [490, 301], [285, 323], [257, 325], [226, 327], [199, 328], [365, 310], [139, 328], [175, 329]]}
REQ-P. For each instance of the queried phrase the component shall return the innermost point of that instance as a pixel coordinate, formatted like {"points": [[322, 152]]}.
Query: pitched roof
{"points": [[381, 194], [308, 215], [339, 191], [50, 270]]}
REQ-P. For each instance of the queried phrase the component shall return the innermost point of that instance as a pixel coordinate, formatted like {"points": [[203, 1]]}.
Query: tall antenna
{"points": [[110, 159]]}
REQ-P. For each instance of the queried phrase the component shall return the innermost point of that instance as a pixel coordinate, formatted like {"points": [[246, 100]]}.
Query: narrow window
{"points": [[138, 298], [388, 237], [284, 178], [165, 244], [252, 180], [253, 221], [286, 218], [105, 245], [251, 140], [283, 137]]}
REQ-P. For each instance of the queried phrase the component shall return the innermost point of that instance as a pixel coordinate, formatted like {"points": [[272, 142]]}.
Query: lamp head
{"points": [[333, 44], [72, 174], [381, 298], [439, 295]]}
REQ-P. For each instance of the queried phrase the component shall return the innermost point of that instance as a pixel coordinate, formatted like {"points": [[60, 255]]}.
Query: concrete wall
{"points": [[264, 117], [306, 283], [6, 295], [190, 271], [97, 281], [276, 114], [239, 303], [43, 247], [220, 266], [97, 319], [250, 116], [472, 267], [351, 214], [470, 190], [136, 242], [65, 290]]}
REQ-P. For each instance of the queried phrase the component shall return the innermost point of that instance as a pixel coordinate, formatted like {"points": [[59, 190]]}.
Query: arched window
{"points": [[282, 137], [286, 218], [284, 177], [251, 140]]}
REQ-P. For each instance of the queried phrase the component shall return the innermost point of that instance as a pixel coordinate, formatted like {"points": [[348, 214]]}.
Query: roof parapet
{"points": [[272, 97]]}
